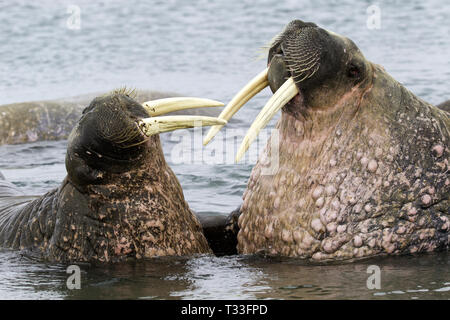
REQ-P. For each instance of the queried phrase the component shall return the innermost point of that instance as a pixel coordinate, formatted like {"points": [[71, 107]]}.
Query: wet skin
{"points": [[444, 106], [120, 199], [363, 162], [27, 122]]}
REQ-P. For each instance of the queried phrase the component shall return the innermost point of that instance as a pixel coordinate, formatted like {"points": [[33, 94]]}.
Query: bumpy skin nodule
{"points": [[118, 201], [363, 167]]}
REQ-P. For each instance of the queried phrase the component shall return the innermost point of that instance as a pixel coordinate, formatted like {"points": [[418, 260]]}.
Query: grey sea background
{"points": [[206, 49]]}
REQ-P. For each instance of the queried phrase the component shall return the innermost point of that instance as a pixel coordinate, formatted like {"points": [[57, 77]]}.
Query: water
{"points": [[209, 49], [243, 277]]}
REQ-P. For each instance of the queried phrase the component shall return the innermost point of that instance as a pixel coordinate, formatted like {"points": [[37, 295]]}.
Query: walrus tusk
{"points": [[162, 106], [155, 125], [282, 96], [242, 97]]}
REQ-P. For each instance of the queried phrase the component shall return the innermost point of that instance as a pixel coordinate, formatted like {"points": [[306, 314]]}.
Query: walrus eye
{"points": [[353, 71]]}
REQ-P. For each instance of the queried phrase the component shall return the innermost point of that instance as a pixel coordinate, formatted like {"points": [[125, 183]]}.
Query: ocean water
{"points": [[208, 49]]}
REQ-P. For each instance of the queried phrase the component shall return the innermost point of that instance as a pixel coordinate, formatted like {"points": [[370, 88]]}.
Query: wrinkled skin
{"points": [[54, 120], [119, 200], [363, 163]]}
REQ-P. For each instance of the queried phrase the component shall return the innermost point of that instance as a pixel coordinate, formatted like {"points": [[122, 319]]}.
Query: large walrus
{"points": [[362, 162], [120, 199]]}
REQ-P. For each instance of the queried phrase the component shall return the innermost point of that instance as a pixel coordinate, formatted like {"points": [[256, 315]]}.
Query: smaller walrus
{"points": [[120, 199], [362, 164]]}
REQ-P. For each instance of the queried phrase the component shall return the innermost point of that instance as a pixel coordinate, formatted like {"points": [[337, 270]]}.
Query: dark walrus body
{"points": [[119, 200], [444, 106]]}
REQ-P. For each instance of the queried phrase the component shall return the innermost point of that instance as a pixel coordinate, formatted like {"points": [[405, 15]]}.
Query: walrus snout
{"points": [[278, 72], [315, 66], [293, 57], [293, 27], [115, 132]]}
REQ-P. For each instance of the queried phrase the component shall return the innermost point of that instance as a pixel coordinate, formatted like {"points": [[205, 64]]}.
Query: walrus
{"points": [[362, 162], [444, 106], [51, 120], [120, 200]]}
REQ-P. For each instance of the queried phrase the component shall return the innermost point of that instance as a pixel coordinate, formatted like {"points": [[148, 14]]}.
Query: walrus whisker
{"points": [[137, 143], [302, 67], [123, 136], [307, 76], [296, 55], [304, 60], [129, 136], [305, 69], [262, 52], [274, 40], [309, 58], [307, 61], [293, 49], [131, 93], [315, 70]]}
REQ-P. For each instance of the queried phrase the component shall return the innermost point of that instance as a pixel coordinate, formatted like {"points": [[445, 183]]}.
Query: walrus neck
{"points": [[141, 213], [133, 214], [304, 134], [315, 156]]}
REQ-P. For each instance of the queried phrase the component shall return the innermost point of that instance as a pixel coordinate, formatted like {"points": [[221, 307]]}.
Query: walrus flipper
{"points": [[23, 219]]}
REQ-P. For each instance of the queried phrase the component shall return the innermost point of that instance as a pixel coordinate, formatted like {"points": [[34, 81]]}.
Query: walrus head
{"points": [[317, 61], [120, 199], [362, 162], [116, 134]]}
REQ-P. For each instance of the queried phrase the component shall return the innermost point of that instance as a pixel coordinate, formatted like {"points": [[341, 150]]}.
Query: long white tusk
{"points": [[282, 96], [245, 94], [162, 106], [155, 125]]}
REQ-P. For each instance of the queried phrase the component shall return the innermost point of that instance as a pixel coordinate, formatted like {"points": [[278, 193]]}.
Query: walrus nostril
{"points": [[278, 72], [274, 50]]}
